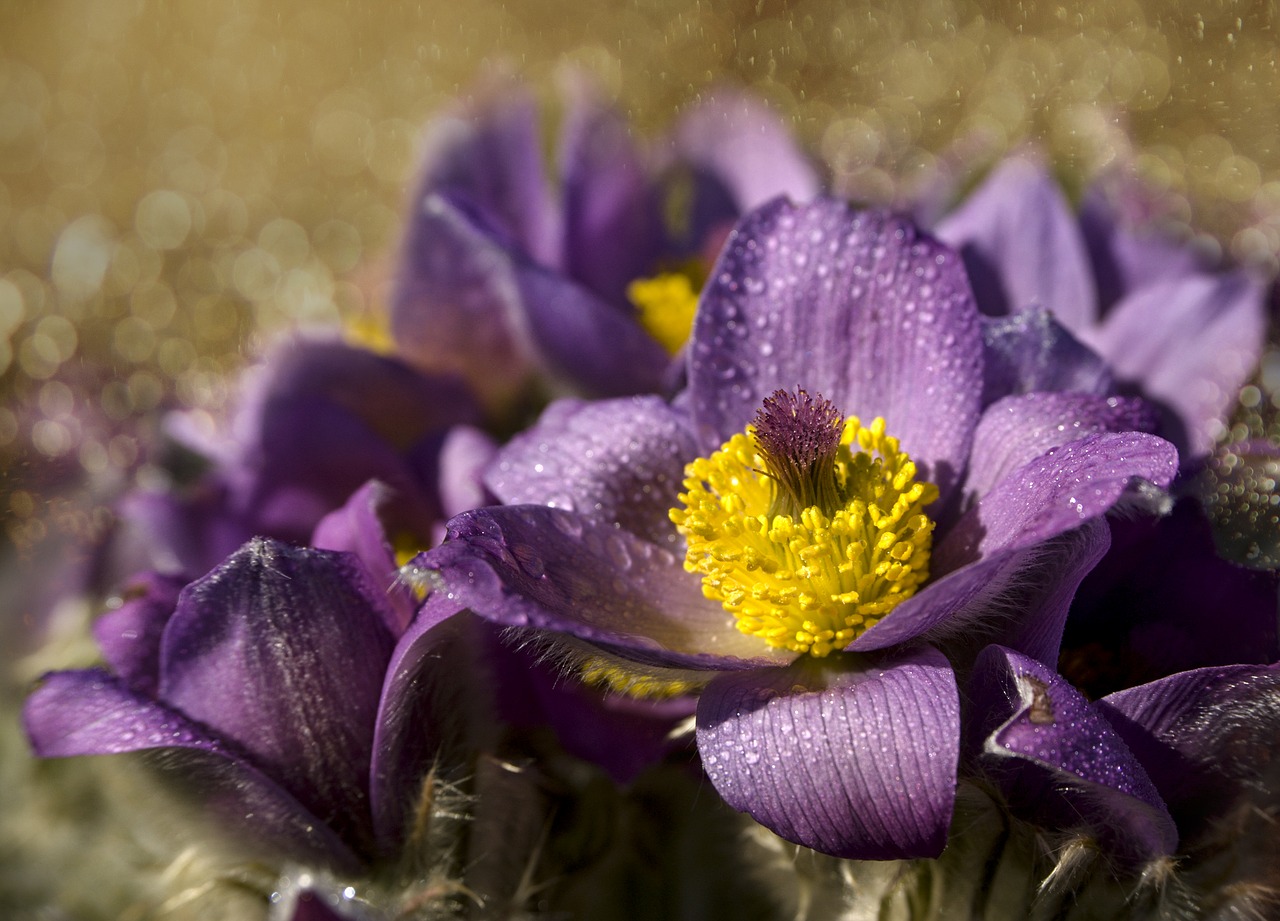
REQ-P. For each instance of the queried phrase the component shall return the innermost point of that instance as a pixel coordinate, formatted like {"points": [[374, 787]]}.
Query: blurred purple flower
{"points": [[283, 689], [853, 753], [1183, 336], [508, 282]]}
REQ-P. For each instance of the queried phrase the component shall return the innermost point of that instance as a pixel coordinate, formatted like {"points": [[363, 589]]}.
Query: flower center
{"points": [[666, 304], [808, 528]]}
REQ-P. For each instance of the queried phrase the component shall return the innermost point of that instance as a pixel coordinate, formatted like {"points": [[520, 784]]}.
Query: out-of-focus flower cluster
{"points": [[687, 542]]}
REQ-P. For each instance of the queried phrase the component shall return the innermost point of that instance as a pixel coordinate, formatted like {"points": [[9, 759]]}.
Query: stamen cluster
{"points": [[815, 579]]}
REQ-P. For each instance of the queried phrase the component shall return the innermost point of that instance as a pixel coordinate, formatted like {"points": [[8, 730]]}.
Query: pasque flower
{"points": [[1183, 335], [284, 689], [795, 535], [589, 285]]}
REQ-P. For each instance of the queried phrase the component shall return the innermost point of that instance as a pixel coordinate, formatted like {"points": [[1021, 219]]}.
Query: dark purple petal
{"points": [[858, 307], [597, 348], [186, 531], [974, 602], [130, 635], [849, 757], [93, 713], [1030, 351], [618, 461], [1056, 755], [612, 223], [283, 651], [1190, 344], [1018, 429], [1058, 491], [455, 307], [740, 141], [1022, 247], [540, 567], [433, 703], [1205, 736], [1164, 601], [489, 154]]}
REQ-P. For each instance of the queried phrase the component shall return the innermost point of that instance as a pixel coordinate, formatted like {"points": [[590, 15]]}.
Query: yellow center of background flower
{"points": [[812, 581], [666, 305]]}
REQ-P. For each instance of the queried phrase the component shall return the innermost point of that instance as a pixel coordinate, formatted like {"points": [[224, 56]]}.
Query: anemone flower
{"points": [[1183, 336], [589, 287], [800, 569], [282, 689]]}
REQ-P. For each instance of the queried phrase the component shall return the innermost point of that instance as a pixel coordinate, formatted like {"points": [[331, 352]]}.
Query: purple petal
{"points": [[597, 348], [1205, 736], [1030, 350], [1022, 247], [455, 307], [93, 713], [1058, 491], [283, 651], [613, 227], [361, 528], [740, 141], [1060, 757], [130, 635], [1124, 245], [432, 702], [465, 453], [848, 757], [972, 603], [1190, 344], [490, 156], [859, 307], [618, 461], [533, 566], [1018, 429]]}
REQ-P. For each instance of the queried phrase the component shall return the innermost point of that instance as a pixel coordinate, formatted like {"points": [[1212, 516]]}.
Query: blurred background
{"points": [[180, 179]]}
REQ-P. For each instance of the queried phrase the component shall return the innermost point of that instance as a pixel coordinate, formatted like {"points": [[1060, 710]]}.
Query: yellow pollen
{"points": [[815, 582], [370, 330], [666, 304]]}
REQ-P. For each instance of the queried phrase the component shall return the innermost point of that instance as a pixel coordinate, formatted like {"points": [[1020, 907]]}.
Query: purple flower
{"points": [[507, 282], [826, 710], [1185, 337], [282, 689]]}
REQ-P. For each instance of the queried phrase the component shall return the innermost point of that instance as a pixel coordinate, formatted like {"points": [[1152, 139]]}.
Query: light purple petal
{"points": [[455, 307], [540, 567], [612, 223], [736, 138], [1190, 344], [1090, 774], [465, 453], [1060, 490], [850, 757], [617, 461], [1018, 429], [489, 154], [432, 704], [93, 713], [283, 651], [859, 307], [361, 528], [1022, 247], [596, 348], [130, 635], [1030, 350]]}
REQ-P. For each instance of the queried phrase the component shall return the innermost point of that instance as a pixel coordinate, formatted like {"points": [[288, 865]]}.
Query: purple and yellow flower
{"points": [[794, 536], [590, 286], [1184, 336]]}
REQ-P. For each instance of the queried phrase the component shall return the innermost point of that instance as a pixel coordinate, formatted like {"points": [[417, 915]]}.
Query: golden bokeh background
{"points": [[178, 179]]}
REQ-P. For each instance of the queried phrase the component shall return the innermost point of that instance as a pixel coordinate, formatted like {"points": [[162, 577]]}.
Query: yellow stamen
{"points": [[666, 304], [813, 582]]}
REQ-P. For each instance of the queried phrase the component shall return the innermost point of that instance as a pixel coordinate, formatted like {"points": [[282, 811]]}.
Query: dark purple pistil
{"points": [[798, 435]]}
